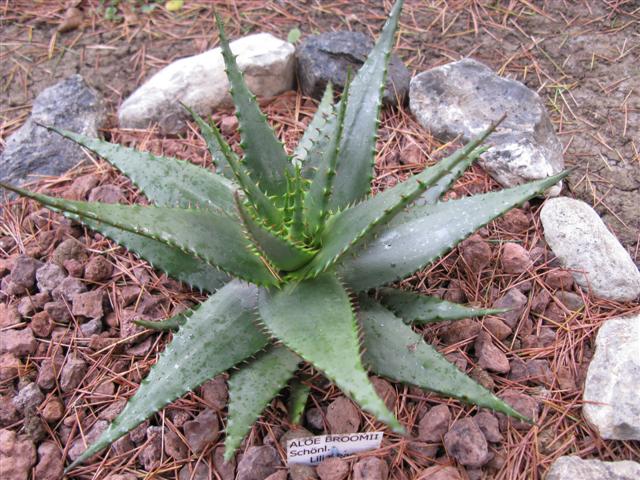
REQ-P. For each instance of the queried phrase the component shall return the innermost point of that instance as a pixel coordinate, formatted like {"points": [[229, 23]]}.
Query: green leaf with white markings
{"points": [[395, 351], [421, 235], [314, 318], [213, 237], [418, 309], [252, 388], [193, 357]]}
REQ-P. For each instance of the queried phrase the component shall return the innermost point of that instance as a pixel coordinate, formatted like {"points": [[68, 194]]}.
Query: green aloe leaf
{"points": [[298, 397], [217, 146], [395, 351], [311, 147], [173, 261], [314, 318], [265, 157], [357, 150], [194, 356], [258, 198], [172, 323], [421, 235], [316, 202], [433, 193], [297, 224], [166, 181], [214, 237], [281, 253], [252, 388], [459, 161], [418, 309], [348, 227]]}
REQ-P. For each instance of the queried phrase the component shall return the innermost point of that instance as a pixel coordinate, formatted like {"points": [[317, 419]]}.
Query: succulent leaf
{"points": [[169, 324], [258, 198], [357, 149], [298, 397], [281, 253], [395, 351], [311, 147], [314, 318], [433, 193], [265, 157], [297, 225], [166, 181], [468, 154], [316, 202], [193, 357], [216, 145], [421, 235], [416, 309], [251, 389], [349, 226], [171, 260], [214, 237]]}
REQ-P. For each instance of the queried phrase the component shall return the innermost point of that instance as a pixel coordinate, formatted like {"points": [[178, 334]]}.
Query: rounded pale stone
{"points": [[572, 467], [583, 244], [613, 380], [200, 82]]}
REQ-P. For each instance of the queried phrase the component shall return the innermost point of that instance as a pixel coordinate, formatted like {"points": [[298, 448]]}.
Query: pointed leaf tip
{"points": [[251, 389], [194, 356], [265, 157], [214, 237], [395, 351], [323, 306], [419, 309], [357, 150]]}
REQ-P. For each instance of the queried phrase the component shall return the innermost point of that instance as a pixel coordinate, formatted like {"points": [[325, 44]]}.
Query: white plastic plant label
{"points": [[313, 450]]}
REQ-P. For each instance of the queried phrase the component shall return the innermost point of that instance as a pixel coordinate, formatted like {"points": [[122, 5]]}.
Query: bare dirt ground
{"points": [[581, 57]]}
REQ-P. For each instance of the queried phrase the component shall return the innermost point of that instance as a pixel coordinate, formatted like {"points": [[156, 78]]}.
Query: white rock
{"points": [[582, 242], [200, 82], [612, 386], [574, 468], [463, 98]]}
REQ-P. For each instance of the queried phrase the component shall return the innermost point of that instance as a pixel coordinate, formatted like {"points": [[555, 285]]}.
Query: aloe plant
{"points": [[310, 249]]}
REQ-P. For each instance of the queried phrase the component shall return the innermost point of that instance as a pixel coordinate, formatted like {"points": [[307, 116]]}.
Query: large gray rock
{"points": [[572, 468], [329, 56], [200, 82], [33, 150], [582, 243], [611, 391], [462, 98]]}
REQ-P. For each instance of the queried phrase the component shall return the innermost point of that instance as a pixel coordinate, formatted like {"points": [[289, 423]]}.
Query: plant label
{"points": [[313, 450]]}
